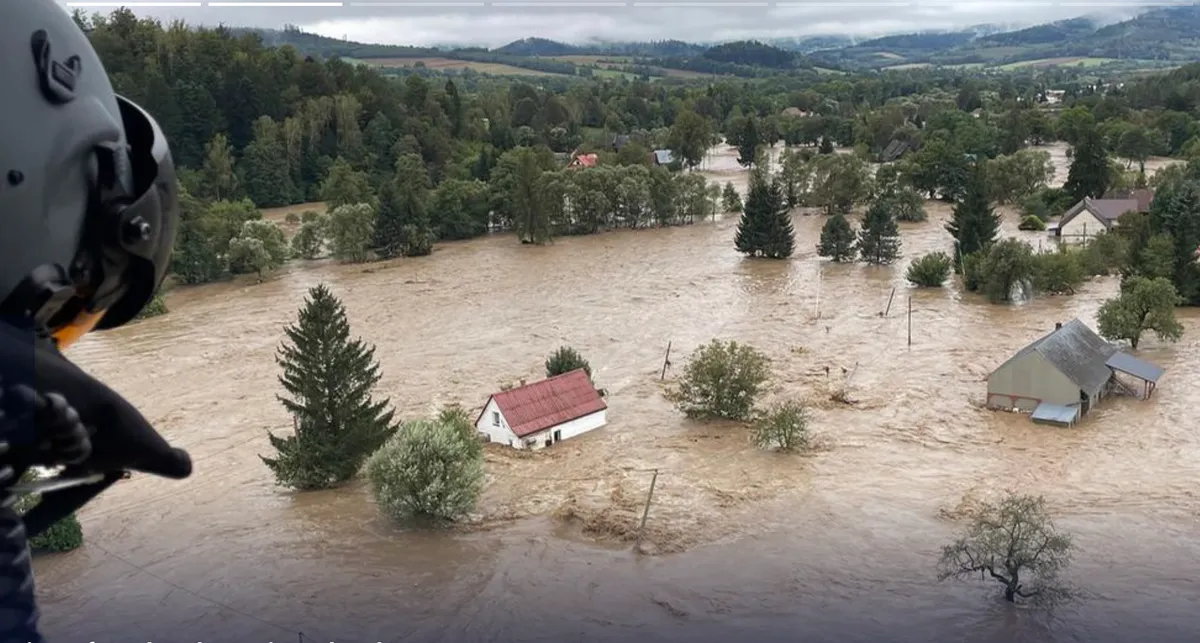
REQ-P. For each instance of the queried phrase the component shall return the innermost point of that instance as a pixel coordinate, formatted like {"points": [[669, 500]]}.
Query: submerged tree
{"points": [[1005, 267], [731, 201], [879, 238], [783, 427], [329, 379], [974, 224], [1014, 543], [430, 469], [929, 271], [565, 360], [765, 229], [1143, 305], [722, 381], [837, 239]]}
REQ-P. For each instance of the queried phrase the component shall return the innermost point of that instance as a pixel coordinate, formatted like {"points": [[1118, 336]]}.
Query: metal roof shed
{"points": [[1056, 414], [1141, 369]]}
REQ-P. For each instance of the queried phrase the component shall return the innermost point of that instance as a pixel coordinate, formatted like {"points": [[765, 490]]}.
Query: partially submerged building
{"points": [[1091, 217], [543, 413], [1064, 374]]}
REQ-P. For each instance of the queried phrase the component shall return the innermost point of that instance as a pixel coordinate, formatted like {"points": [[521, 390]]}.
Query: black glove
{"points": [[121, 439]]}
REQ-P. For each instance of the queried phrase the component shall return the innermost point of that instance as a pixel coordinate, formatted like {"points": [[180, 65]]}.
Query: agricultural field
{"points": [[611, 62], [449, 64], [1078, 61]]}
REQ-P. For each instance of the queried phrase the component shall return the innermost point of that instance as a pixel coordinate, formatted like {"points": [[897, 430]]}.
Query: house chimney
{"points": [[1057, 325], [523, 379]]}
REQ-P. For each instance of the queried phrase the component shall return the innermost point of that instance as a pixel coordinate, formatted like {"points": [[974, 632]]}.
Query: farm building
{"points": [[538, 415], [1090, 217], [1061, 376]]}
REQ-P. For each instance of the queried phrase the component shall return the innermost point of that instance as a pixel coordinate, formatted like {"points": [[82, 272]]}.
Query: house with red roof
{"points": [[584, 160], [540, 414]]}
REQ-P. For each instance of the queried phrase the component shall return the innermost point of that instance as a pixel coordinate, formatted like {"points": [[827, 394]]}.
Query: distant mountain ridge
{"points": [[1155, 34]]}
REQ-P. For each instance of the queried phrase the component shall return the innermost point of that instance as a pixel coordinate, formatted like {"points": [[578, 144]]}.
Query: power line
{"points": [[202, 597]]}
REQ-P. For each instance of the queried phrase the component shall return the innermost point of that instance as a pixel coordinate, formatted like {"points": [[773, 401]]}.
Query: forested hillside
{"points": [[400, 163]]}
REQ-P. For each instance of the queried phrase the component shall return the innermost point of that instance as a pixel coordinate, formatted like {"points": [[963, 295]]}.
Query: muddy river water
{"points": [[837, 545]]}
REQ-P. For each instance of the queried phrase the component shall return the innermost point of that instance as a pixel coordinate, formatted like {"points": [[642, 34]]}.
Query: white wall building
{"points": [[1091, 217], [538, 415]]}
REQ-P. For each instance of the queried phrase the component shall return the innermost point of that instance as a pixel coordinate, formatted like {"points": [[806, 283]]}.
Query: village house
{"points": [[1090, 217], [1143, 196], [534, 416], [663, 157], [584, 160], [795, 112], [896, 149], [1064, 374], [619, 141]]}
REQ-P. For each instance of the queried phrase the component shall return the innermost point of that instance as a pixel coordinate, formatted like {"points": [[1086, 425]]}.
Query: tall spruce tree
{"points": [[879, 238], [765, 229], [748, 142], [837, 239], [974, 224], [389, 222], [1089, 173], [329, 378], [780, 239]]}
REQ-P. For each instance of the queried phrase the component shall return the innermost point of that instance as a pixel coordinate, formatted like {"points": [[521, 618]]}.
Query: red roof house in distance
{"points": [[584, 160], [538, 415]]}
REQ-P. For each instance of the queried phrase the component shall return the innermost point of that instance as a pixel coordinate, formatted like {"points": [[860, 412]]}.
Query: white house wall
{"points": [[567, 430], [496, 433], [1082, 226]]}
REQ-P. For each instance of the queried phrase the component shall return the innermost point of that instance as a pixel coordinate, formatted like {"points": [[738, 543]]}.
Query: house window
{"points": [[495, 418]]}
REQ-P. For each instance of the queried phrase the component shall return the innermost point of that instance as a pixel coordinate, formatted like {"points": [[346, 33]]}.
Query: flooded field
{"points": [[838, 545]]}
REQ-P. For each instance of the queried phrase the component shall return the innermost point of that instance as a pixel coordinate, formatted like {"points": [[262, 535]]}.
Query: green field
{"points": [[1059, 62]]}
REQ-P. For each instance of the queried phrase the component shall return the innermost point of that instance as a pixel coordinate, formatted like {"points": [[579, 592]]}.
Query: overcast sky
{"points": [[491, 24]]}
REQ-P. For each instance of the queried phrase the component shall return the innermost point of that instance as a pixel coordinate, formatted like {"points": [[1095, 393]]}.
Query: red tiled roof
{"points": [[586, 160], [541, 405]]}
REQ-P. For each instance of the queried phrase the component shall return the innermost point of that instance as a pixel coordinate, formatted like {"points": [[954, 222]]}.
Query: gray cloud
{"points": [[578, 21]]}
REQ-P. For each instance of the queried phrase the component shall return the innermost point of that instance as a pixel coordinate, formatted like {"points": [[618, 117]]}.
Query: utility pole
{"points": [[666, 363], [645, 512], [910, 320]]}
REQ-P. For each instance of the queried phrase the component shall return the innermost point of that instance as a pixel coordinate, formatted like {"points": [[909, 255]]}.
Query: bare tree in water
{"points": [[1015, 543]]}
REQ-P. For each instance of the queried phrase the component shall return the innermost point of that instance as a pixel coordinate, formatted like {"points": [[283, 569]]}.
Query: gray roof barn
{"points": [[1069, 367], [663, 157], [1077, 352]]}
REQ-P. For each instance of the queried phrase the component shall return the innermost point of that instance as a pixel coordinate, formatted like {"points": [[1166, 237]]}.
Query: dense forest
{"points": [[403, 162]]}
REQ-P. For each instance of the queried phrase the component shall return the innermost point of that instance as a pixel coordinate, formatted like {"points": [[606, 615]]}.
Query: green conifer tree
{"points": [[329, 378], [389, 222], [754, 226], [879, 238], [974, 224], [837, 239], [1089, 175], [780, 239], [748, 141]]}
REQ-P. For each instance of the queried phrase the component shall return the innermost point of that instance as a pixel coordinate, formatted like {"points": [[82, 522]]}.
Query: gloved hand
{"points": [[121, 438]]}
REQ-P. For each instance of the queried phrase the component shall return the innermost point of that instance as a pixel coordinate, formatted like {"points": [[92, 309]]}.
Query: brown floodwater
{"points": [[838, 545]]}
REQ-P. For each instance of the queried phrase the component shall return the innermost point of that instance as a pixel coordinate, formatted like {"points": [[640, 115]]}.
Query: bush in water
{"points": [[429, 469]]}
